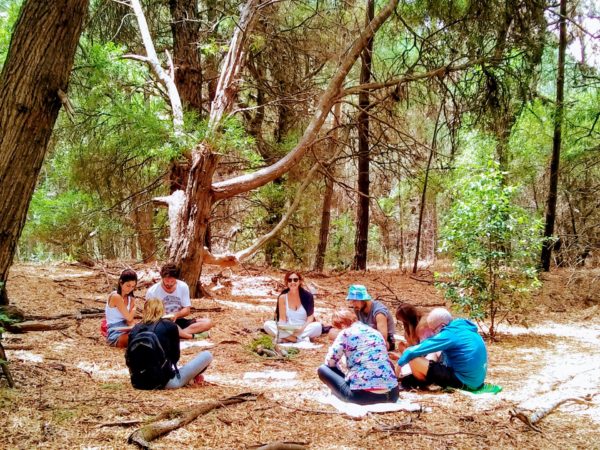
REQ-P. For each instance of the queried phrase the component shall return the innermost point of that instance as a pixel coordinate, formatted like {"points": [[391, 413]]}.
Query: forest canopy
{"points": [[449, 87]]}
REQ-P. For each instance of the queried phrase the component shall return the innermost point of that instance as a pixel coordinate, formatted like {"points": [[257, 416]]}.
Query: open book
{"points": [[289, 327]]}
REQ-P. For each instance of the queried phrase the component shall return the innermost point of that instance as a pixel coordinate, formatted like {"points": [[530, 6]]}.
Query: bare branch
{"points": [[152, 60]]}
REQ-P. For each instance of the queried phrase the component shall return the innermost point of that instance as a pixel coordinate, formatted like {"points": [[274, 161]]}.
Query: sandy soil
{"points": [[73, 390]]}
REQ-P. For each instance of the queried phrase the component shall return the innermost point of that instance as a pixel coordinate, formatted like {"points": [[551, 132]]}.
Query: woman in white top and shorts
{"points": [[120, 309], [294, 315]]}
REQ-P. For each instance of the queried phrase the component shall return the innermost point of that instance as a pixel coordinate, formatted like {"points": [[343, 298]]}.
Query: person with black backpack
{"points": [[153, 352]]}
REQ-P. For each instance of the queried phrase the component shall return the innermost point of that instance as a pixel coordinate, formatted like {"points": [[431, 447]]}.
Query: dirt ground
{"points": [[73, 391]]}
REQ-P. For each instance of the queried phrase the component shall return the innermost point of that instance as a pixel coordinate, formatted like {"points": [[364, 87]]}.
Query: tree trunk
{"points": [[424, 193], [210, 64], [185, 28], [189, 222], [37, 67], [192, 221], [556, 142], [327, 197], [142, 220], [325, 220], [362, 213], [421, 211]]}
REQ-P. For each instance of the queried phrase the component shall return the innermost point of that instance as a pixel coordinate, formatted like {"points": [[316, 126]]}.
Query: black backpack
{"points": [[149, 367]]}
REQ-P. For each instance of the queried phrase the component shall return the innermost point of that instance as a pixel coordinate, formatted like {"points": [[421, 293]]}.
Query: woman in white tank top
{"points": [[295, 319], [120, 309]]}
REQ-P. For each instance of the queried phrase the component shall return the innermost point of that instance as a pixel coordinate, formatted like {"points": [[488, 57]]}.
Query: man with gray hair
{"points": [[463, 362]]}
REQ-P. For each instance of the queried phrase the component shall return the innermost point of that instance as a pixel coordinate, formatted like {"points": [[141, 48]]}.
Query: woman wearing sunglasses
{"points": [[294, 314]]}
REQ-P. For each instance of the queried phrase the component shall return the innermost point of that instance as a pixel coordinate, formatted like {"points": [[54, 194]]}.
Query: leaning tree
{"points": [[33, 84]]}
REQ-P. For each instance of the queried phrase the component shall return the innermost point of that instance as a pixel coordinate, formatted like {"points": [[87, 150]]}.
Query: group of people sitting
{"points": [[438, 348], [153, 362]]}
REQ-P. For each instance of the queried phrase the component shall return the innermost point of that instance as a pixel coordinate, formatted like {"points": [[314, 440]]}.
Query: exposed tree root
{"points": [[173, 419]]}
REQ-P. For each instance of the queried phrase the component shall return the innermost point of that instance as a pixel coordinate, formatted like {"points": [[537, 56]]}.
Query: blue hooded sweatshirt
{"points": [[462, 349]]}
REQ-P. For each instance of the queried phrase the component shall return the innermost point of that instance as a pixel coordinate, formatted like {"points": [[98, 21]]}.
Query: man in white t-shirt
{"points": [[175, 294]]}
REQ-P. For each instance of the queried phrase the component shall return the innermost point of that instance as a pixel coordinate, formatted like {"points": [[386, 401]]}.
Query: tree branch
{"points": [[244, 183]]}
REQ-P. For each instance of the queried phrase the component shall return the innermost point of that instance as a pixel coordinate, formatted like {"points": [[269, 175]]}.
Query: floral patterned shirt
{"points": [[369, 366]]}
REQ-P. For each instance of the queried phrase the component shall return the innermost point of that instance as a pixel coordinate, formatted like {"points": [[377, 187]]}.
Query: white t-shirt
{"points": [[174, 301]]}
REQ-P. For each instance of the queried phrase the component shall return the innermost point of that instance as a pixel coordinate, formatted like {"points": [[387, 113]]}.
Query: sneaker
{"points": [[203, 335], [198, 380]]}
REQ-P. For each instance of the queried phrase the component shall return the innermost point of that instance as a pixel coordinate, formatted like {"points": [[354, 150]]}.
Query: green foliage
{"points": [[233, 138], [58, 218], [494, 245], [341, 248], [9, 12], [263, 341]]}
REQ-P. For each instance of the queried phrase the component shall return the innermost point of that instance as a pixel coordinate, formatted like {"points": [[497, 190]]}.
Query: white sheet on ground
{"points": [[305, 345], [270, 374], [193, 343], [355, 410]]}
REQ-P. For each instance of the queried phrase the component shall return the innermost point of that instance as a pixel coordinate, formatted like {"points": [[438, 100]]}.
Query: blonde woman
{"points": [[153, 365]]}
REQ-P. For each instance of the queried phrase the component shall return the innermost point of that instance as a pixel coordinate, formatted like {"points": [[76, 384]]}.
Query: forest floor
{"points": [[73, 391]]}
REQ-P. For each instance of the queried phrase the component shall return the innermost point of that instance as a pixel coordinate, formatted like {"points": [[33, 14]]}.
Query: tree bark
{"points": [[39, 62], [362, 213], [325, 220], [186, 247], [142, 222], [327, 198], [556, 142], [173, 419], [185, 28], [424, 193]]}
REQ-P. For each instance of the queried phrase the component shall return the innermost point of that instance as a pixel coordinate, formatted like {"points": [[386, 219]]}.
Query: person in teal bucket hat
{"points": [[373, 313]]}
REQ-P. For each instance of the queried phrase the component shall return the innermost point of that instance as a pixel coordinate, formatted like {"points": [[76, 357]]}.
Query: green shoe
{"points": [[203, 335]]}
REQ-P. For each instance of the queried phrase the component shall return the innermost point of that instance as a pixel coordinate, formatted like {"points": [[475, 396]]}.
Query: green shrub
{"points": [[495, 246]]}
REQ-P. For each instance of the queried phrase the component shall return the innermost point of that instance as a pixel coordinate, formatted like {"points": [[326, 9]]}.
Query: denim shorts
{"points": [[113, 335]]}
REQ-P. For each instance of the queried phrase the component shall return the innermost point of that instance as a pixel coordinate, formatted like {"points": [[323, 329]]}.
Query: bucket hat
{"points": [[357, 292]]}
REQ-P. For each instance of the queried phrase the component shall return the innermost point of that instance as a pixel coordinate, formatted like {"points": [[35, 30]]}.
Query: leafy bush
{"points": [[495, 246]]}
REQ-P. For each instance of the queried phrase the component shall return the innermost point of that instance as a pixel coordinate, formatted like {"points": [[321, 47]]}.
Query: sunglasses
{"points": [[294, 280]]}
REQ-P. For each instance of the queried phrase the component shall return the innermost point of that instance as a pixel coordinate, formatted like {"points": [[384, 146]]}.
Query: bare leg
{"points": [[197, 327], [419, 368], [122, 341]]}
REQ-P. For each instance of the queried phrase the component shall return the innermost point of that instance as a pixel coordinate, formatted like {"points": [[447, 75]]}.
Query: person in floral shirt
{"points": [[370, 378]]}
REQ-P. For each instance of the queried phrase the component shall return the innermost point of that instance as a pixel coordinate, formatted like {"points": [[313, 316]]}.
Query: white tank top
{"points": [[295, 317], [113, 315]]}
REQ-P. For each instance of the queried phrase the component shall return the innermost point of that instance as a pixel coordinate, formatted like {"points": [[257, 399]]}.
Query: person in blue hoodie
{"points": [[463, 362]]}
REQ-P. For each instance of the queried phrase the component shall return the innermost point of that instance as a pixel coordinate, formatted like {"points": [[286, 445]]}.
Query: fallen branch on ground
{"points": [[23, 327], [81, 314], [314, 411], [532, 419], [120, 423], [396, 427], [18, 347], [429, 433], [207, 309], [173, 419], [421, 280], [285, 445]]}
